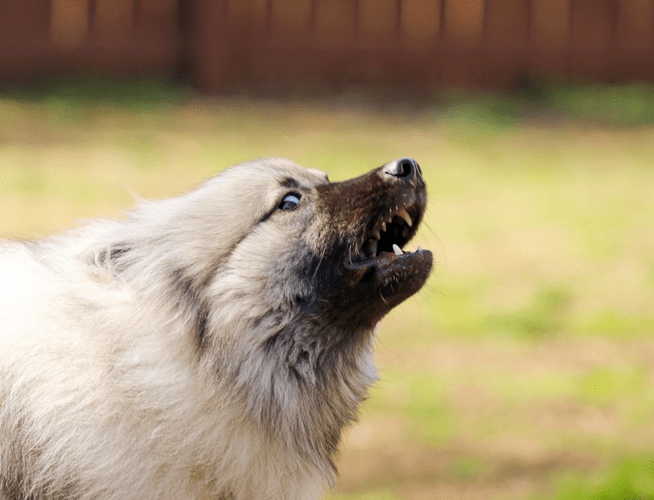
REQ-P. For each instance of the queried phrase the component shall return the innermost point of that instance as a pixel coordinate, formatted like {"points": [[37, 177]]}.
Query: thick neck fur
{"points": [[298, 382]]}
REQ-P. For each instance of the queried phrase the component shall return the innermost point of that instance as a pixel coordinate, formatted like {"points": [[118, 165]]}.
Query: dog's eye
{"points": [[290, 201]]}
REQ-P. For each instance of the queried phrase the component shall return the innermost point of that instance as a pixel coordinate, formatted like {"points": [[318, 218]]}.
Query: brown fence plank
{"points": [[420, 22], [112, 30], [24, 38], [633, 65], [335, 22], [114, 20], [26, 21], [636, 23], [550, 23], [593, 22], [507, 36], [378, 21], [462, 61], [464, 22], [210, 57], [157, 46], [507, 23], [462, 68], [594, 27], [549, 63], [504, 69], [290, 18], [250, 13], [69, 22]]}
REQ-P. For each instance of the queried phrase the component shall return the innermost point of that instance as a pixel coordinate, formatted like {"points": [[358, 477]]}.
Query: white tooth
{"points": [[419, 248], [405, 215], [389, 218], [383, 227], [376, 234], [397, 250]]}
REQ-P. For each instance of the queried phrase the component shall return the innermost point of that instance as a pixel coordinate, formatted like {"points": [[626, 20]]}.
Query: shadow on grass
{"points": [[624, 105], [617, 105], [83, 92]]}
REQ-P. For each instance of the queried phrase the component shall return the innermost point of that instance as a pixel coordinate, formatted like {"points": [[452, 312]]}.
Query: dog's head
{"points": [[349, 253], [269, 238]]}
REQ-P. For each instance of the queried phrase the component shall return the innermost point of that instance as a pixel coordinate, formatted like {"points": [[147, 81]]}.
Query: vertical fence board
{"points": [[593, 31], [24, 37], [550, 23], [462, 68], [507, 23], [635, 41], [464, 22], [112, 37], [462, 62], [377, 21], [420, 22], [335, 22], [69, 22], [27, 21], [114, 19], [593, 22], [156, 41], [251, 14], [290, 18], [507, 32], [210, 46], [636, 23], [549, 36]]}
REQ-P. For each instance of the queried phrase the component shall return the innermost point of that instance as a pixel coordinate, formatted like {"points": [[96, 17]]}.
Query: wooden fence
{"points": [[290, 44]]}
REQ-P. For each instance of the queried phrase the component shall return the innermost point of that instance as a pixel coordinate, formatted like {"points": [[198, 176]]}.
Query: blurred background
{"points": [[524, 369]]}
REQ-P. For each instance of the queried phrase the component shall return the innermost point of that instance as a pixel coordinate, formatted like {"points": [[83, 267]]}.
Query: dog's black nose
{"points": [[405, 169]]}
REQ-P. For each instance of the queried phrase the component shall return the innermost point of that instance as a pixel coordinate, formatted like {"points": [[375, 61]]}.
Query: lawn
{"points": [[525, 367]]}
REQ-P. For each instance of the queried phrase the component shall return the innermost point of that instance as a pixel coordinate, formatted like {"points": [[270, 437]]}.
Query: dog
{"points": [[208, 346]]}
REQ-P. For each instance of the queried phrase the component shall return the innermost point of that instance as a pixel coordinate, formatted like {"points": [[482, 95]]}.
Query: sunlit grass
{"points": [[528, 352], [631, 478]]}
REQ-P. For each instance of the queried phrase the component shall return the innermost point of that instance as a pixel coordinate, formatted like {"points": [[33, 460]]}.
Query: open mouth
{"points": [[387, 237]]}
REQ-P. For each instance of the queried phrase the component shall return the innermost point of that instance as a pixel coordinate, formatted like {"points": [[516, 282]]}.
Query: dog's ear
{"points": [[107, 261]]}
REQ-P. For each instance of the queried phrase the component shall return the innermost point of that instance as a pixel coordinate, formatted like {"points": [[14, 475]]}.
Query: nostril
{"points": [[404, 168]]}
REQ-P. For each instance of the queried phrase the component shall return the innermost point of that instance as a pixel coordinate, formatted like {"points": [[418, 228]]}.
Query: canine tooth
{"points": [[397, 250], [376, 234], [383, 226], [405, 215]]}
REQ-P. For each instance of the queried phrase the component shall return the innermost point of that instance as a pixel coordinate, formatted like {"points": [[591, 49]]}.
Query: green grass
{"points": [[80, 94], [617, 105], [527, 356], [628, 479]]}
